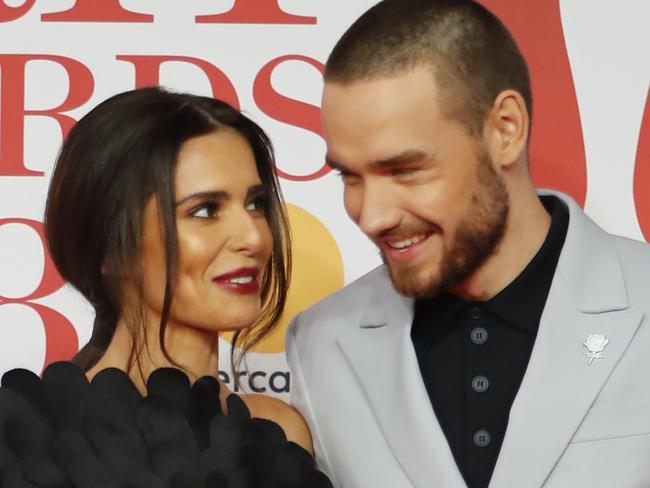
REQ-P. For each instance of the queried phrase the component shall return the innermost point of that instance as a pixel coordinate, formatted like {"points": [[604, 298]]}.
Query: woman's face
{"points": [[224, 240]]}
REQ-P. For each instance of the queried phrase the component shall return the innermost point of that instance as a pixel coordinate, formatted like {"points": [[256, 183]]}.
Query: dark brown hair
{"points": [[114, 160], [472, 55]]}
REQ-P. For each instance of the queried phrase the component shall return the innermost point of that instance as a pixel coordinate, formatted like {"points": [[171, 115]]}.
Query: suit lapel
{"points": [[383, 360], [587, 297], [558, 388]]}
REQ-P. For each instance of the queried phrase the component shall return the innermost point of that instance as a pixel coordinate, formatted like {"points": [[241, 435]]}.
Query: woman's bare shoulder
{"points": [[284, 415]]}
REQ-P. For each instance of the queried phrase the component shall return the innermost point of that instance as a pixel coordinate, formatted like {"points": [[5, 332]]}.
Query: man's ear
{"points": [[506, 128]]}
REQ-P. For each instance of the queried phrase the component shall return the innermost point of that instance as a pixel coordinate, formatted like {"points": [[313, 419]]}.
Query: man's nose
{"points": [[376, 210]]}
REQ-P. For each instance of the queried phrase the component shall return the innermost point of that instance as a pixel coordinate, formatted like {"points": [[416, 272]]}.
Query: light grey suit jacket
{"points": [[357, 383]]}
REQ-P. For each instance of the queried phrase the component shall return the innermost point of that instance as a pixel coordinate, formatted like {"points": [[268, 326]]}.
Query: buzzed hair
{"points": [[472, 55]]}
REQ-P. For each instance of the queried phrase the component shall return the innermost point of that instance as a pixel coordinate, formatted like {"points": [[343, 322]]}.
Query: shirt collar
{"points": [[522, 302]]}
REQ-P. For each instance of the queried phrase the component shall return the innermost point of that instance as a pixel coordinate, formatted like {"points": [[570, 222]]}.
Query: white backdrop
{"points": [[590, 67]]}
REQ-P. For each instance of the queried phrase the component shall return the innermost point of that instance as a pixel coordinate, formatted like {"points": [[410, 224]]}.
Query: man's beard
{"points": [[476, 238]]}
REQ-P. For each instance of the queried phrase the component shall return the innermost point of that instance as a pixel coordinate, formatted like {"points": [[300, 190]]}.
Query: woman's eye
{"points": [[259, 204], [205, 211]]}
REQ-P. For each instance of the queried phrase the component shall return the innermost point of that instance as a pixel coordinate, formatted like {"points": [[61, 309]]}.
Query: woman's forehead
{"points": [[215, 161]]}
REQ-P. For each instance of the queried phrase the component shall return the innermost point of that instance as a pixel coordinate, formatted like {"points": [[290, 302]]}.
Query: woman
{"points": [[165, 213]]}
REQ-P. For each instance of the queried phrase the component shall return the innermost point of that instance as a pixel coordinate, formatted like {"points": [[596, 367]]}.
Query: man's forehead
{"points": [[378, 105], [419, 73]]}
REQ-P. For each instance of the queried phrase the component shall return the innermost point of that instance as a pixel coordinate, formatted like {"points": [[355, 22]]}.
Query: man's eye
{"points": [[402, 171], [205, 211], [346, 176]]}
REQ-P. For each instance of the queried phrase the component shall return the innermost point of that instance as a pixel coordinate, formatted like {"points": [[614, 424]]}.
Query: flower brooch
{"points": [[595, 344]]}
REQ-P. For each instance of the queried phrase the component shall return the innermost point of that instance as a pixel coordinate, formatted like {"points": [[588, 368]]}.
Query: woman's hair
{"points": [[114, 160]]}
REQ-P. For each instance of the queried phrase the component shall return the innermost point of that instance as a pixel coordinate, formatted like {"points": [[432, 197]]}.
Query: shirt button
{"points": [[479, 335], [475, 312], [480, 384], [482, 438]]}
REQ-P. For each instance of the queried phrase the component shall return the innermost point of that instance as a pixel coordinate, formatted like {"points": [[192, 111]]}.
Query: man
{"points": [[503, 342]]}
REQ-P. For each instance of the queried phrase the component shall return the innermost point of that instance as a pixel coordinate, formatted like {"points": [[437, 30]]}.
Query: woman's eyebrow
{"points": [[256, 190], [209, 195]]}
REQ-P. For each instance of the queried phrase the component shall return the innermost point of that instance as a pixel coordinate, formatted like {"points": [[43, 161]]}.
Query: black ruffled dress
{"points": [[64, 432]]}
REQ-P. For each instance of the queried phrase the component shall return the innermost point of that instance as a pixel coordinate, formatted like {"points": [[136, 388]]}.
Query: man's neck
{"points": [[527, 227]]}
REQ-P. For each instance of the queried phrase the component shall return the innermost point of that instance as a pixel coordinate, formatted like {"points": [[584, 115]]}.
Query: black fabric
{"points": [[473, 355], [64, 432]]}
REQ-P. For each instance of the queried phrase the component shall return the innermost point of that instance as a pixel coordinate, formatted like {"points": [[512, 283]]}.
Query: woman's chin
{"points": [[238, 326]]}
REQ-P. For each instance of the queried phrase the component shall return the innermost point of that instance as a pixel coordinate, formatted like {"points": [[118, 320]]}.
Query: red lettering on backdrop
{"points": [[642, 173], [288, 110], [255, 12], [8, 14], [557, 154], [147, 73], [13, 111], [61, 340], [96, 11]]}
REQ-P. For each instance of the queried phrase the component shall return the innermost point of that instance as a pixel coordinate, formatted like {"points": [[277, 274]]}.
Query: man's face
{"points": [[416, 183]]}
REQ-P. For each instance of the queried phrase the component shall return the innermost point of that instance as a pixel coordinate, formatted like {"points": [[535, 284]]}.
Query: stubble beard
{"points": [[477, 237]]}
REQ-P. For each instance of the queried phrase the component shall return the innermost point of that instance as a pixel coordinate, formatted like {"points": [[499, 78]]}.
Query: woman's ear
{"points": [[506, 128]]}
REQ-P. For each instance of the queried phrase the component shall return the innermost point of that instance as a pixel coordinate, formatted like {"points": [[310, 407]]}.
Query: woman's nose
{"points": [[248, 233]]}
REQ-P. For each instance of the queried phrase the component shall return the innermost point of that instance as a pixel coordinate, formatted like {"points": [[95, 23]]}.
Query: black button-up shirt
{"points": [[473, 355]]}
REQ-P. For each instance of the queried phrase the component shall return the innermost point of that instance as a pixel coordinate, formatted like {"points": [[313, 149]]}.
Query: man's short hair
{"points": [[472, 54]]}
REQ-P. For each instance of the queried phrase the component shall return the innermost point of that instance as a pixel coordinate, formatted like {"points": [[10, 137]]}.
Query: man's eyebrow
{"points": [[207, 195], [406, 157], [332, 163]]}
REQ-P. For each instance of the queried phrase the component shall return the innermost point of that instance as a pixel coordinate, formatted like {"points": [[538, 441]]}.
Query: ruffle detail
{"points": [[62, 431]]}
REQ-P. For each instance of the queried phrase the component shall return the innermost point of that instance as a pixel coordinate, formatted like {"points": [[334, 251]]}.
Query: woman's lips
{"points": [[241, 280]]}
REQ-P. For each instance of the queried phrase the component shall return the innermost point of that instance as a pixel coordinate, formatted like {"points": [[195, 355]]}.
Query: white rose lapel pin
{"points": [[595, 345]]}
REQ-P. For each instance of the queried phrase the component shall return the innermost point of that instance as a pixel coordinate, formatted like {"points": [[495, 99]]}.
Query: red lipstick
{"points": [[242, 281]]}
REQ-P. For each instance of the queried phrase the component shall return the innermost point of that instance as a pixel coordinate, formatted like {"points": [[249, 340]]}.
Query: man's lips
{"points": [[404, 249], [404, 243], [241, 280]]}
